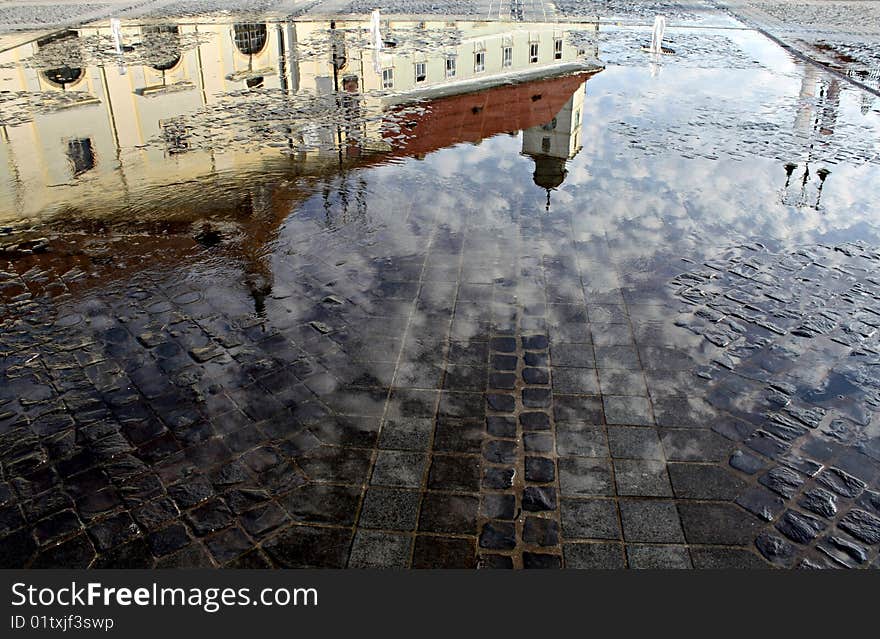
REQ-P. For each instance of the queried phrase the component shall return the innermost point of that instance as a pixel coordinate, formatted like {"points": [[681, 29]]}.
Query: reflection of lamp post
{"points": [[822, 173], [801, 200]]}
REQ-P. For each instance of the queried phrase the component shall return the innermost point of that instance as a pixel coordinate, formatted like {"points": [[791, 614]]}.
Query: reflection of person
{"points": [[351, 112], [350, 84]]}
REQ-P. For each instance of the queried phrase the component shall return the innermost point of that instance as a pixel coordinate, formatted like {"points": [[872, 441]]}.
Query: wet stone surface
{"points": [[660, 353]]}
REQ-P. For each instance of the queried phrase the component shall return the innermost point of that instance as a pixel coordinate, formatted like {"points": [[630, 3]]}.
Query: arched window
{"points": [[64, 75], [162, 46], [250, 37], [69, 72]]}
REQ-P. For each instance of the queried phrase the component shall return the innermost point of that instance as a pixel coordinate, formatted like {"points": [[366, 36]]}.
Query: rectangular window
{"points": [[507, 57], [479, 61], [387, 78], [450, 67], [533, 52], [81, 155], [421, 71], [557, 49]]}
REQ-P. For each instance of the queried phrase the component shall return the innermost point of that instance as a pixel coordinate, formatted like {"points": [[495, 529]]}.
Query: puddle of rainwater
{"points": [[245, 130]]}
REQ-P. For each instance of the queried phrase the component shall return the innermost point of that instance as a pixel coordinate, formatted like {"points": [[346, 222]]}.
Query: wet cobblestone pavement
{"points": [[582, 320], [842, 35]]}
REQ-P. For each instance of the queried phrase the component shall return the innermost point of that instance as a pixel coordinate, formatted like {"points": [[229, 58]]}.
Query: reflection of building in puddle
{"points": [[135, 131], [136, 150], [553, 143], [815, 122]]}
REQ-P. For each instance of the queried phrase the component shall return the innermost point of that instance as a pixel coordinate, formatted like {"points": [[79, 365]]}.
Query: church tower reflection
{"points": [[552, 144]]}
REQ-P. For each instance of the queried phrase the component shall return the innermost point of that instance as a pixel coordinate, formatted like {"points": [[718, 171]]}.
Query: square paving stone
{"points": [[575, 408], [459, 435], [396, 468], [589, 519], [608, 313], [540, 469], [55, 526], [618, 357], [704, 481], [191, 492], [658, 557], [500, 451], [725, 558], [502, 381], [694, 444], [536, 397], [465, 378], [605, 334], [443, 552], [373, 549], [497, 478], [534, 420], [568, 332], [504, 362], [615, 381], [76, 552], [323, 504], [540, 376], [721, 524], [584, 476], [531, 358], [632, 411], [347, 431], [634, 443], [539, 560], [390, 509], [761, 502], [418, 375], [407, 434], [454, 472], [263, 519], [581, 440], [168, 540], [684, 412], [650, 521], [503, 344], [596, 556], [534, 342], [473, 353], [642, 478], [444, 513], [538, 442], [501, 403], [572, 355], [539, 498], [343, 465], [155, 512], [745, 462], [501, 426], [498, 506], [574, 381], [540, 531], [118, 529], [498, 535], [310, 547], [404, 403], [228, 544]]}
